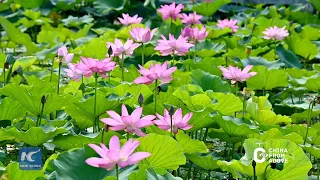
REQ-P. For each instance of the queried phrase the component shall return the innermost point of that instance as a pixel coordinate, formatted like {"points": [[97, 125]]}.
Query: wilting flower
{"points": [[73, 72], [235, 74], [63, 52], [156, 72], [178, 121], [226, 23], [130, 123], [118, 48], [194, 34], [172, 46], [170, 11], [127, 20], [90, 66], [192, 18], [143, 35], [275, 33], [116, 155]]}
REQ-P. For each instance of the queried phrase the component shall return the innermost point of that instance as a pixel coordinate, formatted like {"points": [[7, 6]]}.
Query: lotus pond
{"points": [[159, 90]]}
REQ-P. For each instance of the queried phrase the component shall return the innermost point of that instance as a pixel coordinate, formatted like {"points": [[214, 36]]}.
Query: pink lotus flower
{"points": [[170, 11], [63, 52], [275, 33], [119, 49], [192, 18], [194, 34], [178, 122], [115, 155], [73, 72], [235, 74], [172, 46], [232, 24], [127, 20], [130, 123], [143, 35], [156, 72], [90, 66]]}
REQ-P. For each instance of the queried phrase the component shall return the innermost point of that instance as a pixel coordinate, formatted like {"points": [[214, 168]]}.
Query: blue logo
{"points": [[30, 158]]}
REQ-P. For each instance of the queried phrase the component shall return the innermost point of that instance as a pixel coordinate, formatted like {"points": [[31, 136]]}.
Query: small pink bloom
{"points": [[90, 66], [172, 46], [235, 74], [170, 11], [73, 72], [156, 72], [178, 122], [127, 20], [232, 24], [63, 52], [194, 34], [143, 35], [130, 123], [119, 49], [275, 33], [116, 155], [192, 18]]}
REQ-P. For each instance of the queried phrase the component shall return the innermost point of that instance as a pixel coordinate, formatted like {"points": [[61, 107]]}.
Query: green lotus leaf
{"points": [[36, 136], [299, 117], [71, 165], [151, 174], [189, 145], [208, 161], [302, 46], [14, 172], [30, 97], [313, 83], [83, 112], [11, 109], [227, 103], [313, 150], [288, 58], [223, 136], [78, 141], [135, 91], [208, 9], [103, 6], [165, 152], [17, 36], [235, 126], [296, 167], [267, 79], [209, 82]]}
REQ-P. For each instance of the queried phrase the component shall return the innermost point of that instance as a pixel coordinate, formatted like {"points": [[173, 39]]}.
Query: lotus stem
{"points": [[142, 55], [128, 136], [51, 70], [195, 53], [122, 67], [205, 135], [95, 103], [117, 171], [4, 74], [59, 73], [308, 120], [244, 106], [155, 95], [318, 169]]}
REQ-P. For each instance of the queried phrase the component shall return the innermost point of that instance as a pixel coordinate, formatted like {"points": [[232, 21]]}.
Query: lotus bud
{"points": [[171, 111], [248, 50], [254, 164], [6, 65], [110, 51], [140, 99], [43, 99]]}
